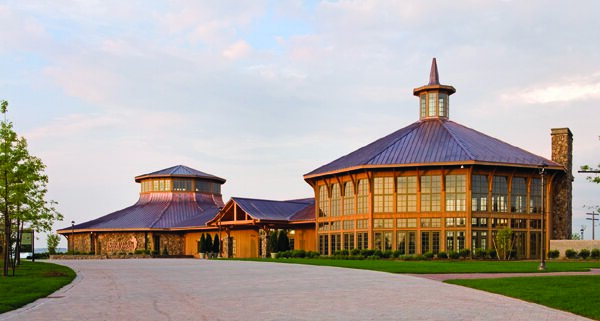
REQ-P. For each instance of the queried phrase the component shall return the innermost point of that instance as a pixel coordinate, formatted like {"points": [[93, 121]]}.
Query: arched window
{"points": [[363, 196], [336, 199], [323, 201], [349, 198]]}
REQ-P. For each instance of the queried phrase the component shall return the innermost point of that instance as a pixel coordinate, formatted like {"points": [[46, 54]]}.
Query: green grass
{"points": [[574, 294], [445, 266], [31, 282]]}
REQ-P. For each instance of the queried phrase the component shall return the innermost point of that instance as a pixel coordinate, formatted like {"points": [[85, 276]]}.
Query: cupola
{"points": [[434, 98]]}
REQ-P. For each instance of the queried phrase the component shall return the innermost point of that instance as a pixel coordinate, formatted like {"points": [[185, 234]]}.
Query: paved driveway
{"points": [[188, 289]]}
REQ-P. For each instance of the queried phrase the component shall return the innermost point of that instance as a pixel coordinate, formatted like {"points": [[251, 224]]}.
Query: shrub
{"points": [[216, 244], [480, 253], [138, 251], [595, 254], [464, 253], [374, 257], [396, 253], [273, 242], [354, 252], [387, 254], [570, 254], [208, 244], [312, 254], [367, 252], [428, 255], [584, 253], [341, 252], [378, 253], [284, 254], [453, 255], [154, 252], [442, 255], [165, 252], [298, 254], [553, 254], [201, 243], [283, 242], [492, 254]]}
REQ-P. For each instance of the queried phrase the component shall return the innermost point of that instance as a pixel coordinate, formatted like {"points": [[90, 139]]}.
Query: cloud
{"points": [[237, 50], [561, 92]]}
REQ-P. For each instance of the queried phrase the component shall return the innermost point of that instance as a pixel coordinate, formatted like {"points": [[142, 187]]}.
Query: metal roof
{"points": [[159, 211], [180, 171], [292, 210], [433, 142]]}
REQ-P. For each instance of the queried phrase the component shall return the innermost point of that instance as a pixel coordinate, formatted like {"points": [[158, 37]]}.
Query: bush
{"points": [[283, 242], [312, 254], [396, 253], [584, 253], [492, 254], [428, 255], [553, 254], [341, 252], [442, 255], [201, 244], [273, 242], [464, 253], [387, 254], [453, 255], [571, 254], [355, 252], [216, 244], [165, 252], [154, 252], [208, 244], [480, 253], [378, 253], [595, 254], [298, 254], [367, 252], [138, 251]]}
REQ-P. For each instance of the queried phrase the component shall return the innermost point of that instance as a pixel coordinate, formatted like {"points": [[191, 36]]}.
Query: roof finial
{"points": [[434, 77]]}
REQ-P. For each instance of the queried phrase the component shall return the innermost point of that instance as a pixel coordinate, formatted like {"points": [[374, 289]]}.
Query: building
{"points": [[436, 185]]}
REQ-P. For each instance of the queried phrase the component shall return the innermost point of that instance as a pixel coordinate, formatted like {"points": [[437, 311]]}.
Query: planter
{"points": [[202, 255], [273, 255]]}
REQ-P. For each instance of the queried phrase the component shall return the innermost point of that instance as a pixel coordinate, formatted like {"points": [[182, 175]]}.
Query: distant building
{"points": [[432, 186]]}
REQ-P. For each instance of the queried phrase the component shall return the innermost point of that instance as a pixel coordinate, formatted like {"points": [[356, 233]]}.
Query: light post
{"points": [[220, 242], [542, 267], [72, 239]]}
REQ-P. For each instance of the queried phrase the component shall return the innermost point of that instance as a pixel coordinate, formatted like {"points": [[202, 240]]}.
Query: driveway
{"points": [[192, 289]]}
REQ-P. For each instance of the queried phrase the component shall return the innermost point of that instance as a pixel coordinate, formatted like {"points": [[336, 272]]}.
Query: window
{"points": [[155, 185], [479, 222], [336, 242], [182, 185], [450, 222], [349, 198], [161, 185], [216, 188], [363, 196], [479, 240], [335, 226], [383, 194], [203, 187], [426, 222], [383, 240], [518, 223], [423, 105], [406, 223], [479, 193], [535, 196], [407, 194], [499, 193], [455, 240], [362, 224], [431, 222], [518, 200], [336, 199], [456, 193], [431, 187], [323, 201], [432, 104], [348, 225], [443, 108], [348, 241], [362, 240], [406, 242], [430, 242], [461, 221], [383, 223], [324, 244], [499, 222], [324, 226]]}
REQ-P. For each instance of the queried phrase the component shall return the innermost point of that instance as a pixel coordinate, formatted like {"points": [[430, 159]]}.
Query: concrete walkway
{"points": [[188, 289], [443, 277]]}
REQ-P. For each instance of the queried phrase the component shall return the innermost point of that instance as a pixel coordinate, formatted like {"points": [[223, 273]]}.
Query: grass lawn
{"points": [[31, 282], [574, 294], [445, 266]]}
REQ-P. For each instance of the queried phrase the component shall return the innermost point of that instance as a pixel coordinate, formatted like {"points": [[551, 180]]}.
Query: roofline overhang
{"points": [[308, 177], [145, 176], [133, 229], [448, 89]]}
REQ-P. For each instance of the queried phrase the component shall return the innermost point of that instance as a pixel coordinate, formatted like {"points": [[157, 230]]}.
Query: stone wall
{"points": [[111, 243], [124, 242], [563, 245], [562, 187]]}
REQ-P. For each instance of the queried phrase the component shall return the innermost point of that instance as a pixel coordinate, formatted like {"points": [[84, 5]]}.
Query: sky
{"points": [[262, 92]]}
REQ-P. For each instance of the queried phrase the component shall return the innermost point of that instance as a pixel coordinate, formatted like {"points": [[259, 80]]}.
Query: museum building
{"points": [[437, 185], [434, 185]]}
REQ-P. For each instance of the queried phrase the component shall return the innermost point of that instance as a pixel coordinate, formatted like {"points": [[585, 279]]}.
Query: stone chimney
{"points": [[562, 187]]}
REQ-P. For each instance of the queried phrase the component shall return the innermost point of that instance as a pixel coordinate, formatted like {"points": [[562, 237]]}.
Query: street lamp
{"points": [[72, 239], [542, 267]]}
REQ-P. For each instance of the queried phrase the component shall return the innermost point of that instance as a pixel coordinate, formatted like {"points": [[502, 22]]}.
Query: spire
{"points": [[434, 77]]}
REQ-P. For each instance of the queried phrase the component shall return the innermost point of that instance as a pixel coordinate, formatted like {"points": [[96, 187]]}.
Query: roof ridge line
{"points": [[458, 141], [417, 124]]}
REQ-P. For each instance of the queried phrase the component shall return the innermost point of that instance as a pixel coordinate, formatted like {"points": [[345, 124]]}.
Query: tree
{"points": [[283, 242], [208, 244], [201, 245], [52, 241], [273, 242], [503, 243], [216, 244], [22, 188], [575, 236], [590, 170]]}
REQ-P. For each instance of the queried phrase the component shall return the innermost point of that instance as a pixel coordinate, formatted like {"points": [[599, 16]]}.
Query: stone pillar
{"points": [[264, 244], [227, 247], [562, 187]]}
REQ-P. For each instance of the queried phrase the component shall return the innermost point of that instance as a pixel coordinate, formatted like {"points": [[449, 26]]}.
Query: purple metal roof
{"points": [[160, 210], [430, 142], [180, 171], [293, 210]]}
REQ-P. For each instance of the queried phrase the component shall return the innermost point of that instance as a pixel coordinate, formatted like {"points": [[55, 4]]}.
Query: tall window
{"points": [[323, 201], [443, 105], [383, 194], [182, 185], [423, 105], [518, 199], [535, 196], [432, 104], [479, 193], [336, 199], [349, 198], [363, 196], [362, 239], [456, 193], [348, 241], [499, 194], [406, 242], [431, 187], [324, 244], [407, 194]]}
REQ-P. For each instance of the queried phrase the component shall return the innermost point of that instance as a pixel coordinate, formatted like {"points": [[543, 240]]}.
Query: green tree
{"points": [[22, 188], [52, 241], [208, 244], [201, 246], [283, 242], [273, 246], [503, 243], [216, 244], [591, 170]]}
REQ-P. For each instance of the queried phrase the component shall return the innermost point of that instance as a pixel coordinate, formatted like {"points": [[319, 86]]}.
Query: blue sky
{"points": [[262, 92]]}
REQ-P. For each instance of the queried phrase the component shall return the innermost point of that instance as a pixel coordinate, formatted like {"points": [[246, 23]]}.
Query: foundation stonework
{"points": [[562, 188]]}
